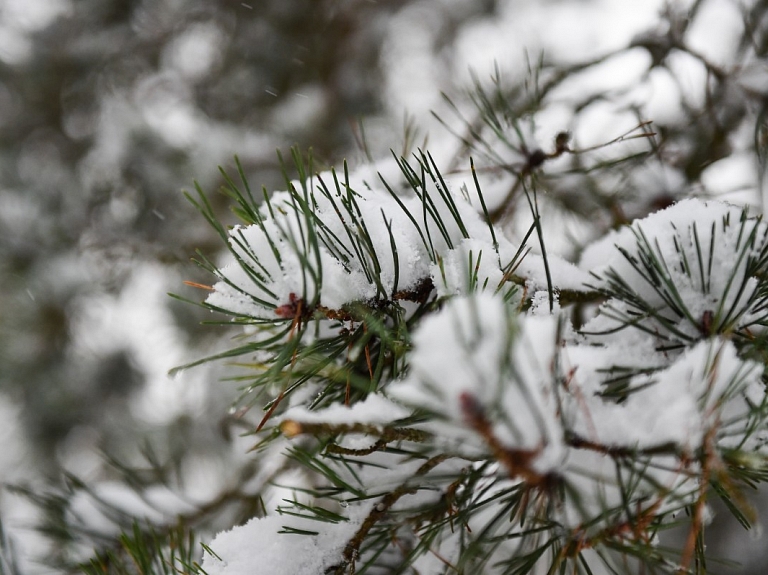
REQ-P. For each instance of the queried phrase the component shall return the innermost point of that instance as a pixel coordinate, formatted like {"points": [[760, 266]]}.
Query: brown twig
{"points": [[379, 511], [291, 428], [518, 462], [697, 524]]}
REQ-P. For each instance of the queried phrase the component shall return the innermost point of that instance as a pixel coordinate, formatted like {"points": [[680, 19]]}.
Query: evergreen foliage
{"points": [[428, 388], [532, 446]]}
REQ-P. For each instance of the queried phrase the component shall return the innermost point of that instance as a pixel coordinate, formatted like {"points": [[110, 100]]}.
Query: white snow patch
{"points": [[259, 545], [373, 410], [473, 355]]}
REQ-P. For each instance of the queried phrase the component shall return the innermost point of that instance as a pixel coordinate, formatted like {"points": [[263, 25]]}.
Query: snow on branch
{"points": [[687, 272], [446, 399], [581, 438]]}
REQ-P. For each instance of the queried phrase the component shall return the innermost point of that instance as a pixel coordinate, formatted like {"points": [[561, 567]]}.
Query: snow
{"points": [[534, 392], [707, 251], [477, 353], [677, 404], [485, 378], [564, 274], [259, 543], [540, 304], [138, 321], [472, 265], [400, 247], [373, 410], [473, 347], [564, 31], [34, 15], [690, 75], [466, 354], [617, 73], [731, 174], [349, 261], [716, 31], [754, 77], [300, 111], [196, 51], [108, 504]]}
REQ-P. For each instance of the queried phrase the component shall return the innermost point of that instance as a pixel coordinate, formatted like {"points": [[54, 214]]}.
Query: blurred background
{"points": [[109, 108]]}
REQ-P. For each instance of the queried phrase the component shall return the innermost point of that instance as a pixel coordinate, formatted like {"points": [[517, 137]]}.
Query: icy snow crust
{"points": [[656, 375]]}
